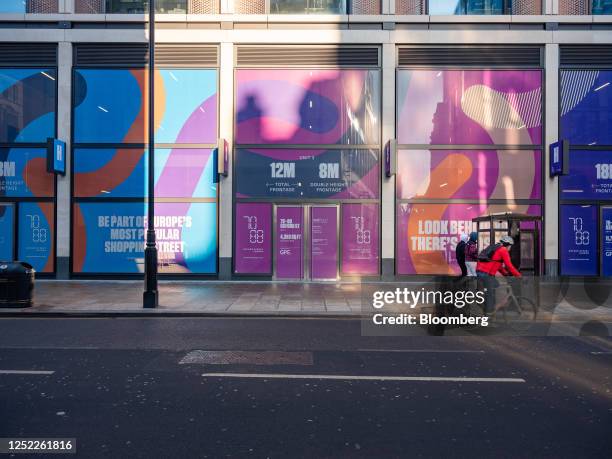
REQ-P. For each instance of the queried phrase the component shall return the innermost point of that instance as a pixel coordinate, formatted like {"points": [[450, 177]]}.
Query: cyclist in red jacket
{"points": [[498, 262]]}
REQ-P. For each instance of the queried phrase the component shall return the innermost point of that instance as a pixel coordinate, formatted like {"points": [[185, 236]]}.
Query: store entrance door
{"points": [[306, 242]]}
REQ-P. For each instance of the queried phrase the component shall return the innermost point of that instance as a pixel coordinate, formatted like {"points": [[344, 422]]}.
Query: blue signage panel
{"points": [[56, 156], [559, 158], [606, 241], [578, 227], [590, 176], [7, 230]]}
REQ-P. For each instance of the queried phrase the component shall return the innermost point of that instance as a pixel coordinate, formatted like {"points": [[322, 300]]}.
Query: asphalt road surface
{"points": [[169, 388]]}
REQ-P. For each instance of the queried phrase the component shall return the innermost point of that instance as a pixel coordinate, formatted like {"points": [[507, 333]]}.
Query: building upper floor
{"points": [[13, 9]]}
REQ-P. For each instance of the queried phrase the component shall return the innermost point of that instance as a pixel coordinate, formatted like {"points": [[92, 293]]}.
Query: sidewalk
{"points": [[269, 298]]}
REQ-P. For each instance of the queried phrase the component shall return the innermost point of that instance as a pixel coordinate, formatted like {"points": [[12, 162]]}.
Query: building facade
{"points": [[303, 100]]}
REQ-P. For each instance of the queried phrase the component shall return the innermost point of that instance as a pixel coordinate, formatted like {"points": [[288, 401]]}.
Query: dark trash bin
{"points": [[16, 284]]}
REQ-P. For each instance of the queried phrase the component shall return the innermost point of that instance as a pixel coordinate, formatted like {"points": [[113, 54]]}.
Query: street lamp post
{"points": [[150, 296]]}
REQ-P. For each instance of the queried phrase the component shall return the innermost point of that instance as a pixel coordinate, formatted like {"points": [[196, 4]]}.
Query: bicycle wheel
{"points": [[520, 313]]}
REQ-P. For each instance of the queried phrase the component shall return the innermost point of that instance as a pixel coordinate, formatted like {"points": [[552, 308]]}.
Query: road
{"points": [[134, 387]]}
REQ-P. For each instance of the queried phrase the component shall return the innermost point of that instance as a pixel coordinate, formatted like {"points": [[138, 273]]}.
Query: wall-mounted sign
{"points": [[578, 227], [559, 158], [590, 176], [56, 156], [222, 157], [390, 158]]}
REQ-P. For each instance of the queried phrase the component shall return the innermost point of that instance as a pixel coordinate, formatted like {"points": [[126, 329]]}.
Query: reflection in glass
{"points": [[460, 7], [306, 107], [469, 107], [141, 6], [586, 97], [13, 6], [307, 6], [602, 6], [27, 105], [464, 174]]}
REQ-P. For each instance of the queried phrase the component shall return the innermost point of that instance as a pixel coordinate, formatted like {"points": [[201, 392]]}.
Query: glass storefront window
{"points": [[468, 174], [427, 234], [469, 107], [320, 107], [27, 105], [23, 173], [459, 7], [601, 6], [307, 6], [110, 106], [13, 6], [586, 107], [141, 6]]}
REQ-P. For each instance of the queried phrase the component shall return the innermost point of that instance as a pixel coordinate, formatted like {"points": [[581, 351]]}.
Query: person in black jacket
{"points": [[460, 254]]}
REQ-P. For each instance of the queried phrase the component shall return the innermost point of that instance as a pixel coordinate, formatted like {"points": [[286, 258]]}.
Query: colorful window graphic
{"points": [[427, 234], [36, 235], [23, 173], [253, 238], [360, 236], [179, 173], [27, 105], [586, 98], [322, 174], [578, 231], [590, 176], [469, 107], [465, 174], [110, 106], [109, 237], [7, 231], [317, 107]]}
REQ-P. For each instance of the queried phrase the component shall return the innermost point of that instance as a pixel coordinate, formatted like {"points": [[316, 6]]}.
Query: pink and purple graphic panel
{"points": [[360, 237], [469, 174], [308, 107], [253, 243], [427, 234], [289, 242], [469, 107], [323, 242]]}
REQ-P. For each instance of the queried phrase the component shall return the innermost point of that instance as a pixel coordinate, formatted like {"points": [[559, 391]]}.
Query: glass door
{"points": [[289, 242], [324, 242]]}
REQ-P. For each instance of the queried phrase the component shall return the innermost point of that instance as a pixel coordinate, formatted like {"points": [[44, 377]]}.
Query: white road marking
{"points": [[601, 352], [362, 378], [26, 372], [441, 351]]}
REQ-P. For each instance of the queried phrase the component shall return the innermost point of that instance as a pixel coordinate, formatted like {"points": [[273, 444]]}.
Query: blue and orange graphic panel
{"points": [[111, 106], [27, 105]]}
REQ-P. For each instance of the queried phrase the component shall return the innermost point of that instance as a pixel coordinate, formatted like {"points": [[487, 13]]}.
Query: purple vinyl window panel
{"points": [[289, 242], [360, 232], [324, 242], [253, 238]]}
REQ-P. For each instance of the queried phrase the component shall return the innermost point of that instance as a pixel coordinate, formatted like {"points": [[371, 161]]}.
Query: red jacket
{"points": [[500, 258]]}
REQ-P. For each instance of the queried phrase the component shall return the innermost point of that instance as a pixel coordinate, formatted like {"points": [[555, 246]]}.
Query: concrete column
{"points": [[551, 185], [66, 6], [388, 184], [388, 6], [226, 131], [64, 85]]}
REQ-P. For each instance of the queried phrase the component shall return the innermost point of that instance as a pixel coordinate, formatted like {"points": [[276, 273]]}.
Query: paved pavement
{"points": [[574, 302], [302, 388]]}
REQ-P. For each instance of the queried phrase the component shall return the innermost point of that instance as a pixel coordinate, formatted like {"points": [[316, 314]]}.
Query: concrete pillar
{"points": [[551, 185], [226, 131], [388, 184], [64, 90], [66, 6]]}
